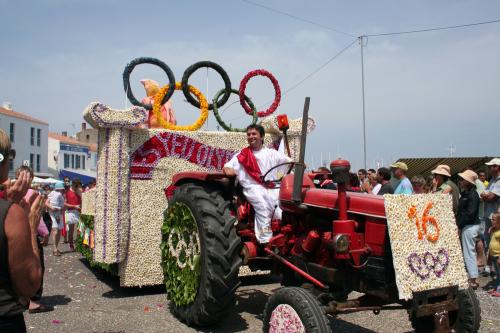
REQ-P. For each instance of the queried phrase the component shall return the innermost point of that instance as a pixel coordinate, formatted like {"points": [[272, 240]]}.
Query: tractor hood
{"points": [[359, 203]]}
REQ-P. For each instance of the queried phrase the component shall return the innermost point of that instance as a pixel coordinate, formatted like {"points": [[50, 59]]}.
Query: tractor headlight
{"points": [[341, 243]]}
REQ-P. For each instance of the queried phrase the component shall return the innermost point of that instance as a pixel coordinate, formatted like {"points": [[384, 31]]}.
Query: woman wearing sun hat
{"points": [[468, 223], [443, 184]]}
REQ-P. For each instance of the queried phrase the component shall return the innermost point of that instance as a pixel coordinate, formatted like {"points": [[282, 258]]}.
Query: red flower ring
{"points": [[277, 92]]}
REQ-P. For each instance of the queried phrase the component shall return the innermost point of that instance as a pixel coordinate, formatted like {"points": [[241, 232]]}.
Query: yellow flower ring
{"points": [[165, 124]]}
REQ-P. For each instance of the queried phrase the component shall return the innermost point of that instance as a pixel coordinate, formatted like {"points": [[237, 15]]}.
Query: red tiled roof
{"points": [[67, 139], [20, 115]]}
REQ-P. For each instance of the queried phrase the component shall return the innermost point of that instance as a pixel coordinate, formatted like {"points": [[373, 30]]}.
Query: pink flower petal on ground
{"points": [[55, 321], [146, 309]]}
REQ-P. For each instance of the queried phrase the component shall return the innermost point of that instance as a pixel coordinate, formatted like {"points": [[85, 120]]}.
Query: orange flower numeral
{"points": [[421, 223]]}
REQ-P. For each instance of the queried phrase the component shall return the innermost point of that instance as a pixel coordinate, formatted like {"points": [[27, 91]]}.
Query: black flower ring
{"points": [[153, 61], [209, 64]]}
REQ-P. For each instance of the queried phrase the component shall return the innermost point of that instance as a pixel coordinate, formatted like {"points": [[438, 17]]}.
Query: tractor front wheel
{"points": [[293, 309], [200, 255]]}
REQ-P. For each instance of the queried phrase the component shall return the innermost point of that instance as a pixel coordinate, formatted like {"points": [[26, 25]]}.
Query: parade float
{"points": [[120, 228], [163, 212]]}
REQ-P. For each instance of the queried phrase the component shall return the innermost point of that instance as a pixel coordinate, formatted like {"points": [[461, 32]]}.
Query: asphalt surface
{"points": [[88, 300]]}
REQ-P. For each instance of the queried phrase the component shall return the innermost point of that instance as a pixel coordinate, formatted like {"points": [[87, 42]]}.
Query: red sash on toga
{"points": [[249, 162]]}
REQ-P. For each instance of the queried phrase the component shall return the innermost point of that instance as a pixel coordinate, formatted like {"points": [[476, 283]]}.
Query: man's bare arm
{"points": [[24, 263]]}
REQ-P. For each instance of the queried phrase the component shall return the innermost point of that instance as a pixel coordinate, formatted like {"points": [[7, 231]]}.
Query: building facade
{"points": [[28, 136], [69, 156], [87, 135]]}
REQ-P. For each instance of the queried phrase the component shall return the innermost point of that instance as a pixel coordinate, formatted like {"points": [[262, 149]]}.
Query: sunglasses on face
{"points": [[11, 154]]}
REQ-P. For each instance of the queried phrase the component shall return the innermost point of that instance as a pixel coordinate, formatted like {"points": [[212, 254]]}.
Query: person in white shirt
{"points": [[55, 204], [248, 166]]}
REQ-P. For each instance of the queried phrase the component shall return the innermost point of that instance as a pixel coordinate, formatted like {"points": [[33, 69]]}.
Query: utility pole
{"points": [[451, 149], [363, 97]]}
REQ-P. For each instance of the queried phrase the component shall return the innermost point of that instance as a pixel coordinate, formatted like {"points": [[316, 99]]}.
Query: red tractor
{"points": [[328, 244]]}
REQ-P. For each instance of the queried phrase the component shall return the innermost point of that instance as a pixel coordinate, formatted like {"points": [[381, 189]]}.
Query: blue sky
{"points": [[424, 92]]}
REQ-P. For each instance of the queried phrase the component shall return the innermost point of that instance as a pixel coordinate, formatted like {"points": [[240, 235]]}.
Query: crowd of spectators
{"points": [[475, 202]]}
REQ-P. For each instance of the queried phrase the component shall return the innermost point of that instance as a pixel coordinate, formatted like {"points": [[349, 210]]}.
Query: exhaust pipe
{"points": [[300, 166]]}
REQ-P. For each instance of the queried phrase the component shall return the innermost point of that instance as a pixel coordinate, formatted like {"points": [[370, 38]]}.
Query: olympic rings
{"points": [[209, 64], [277, 92], [200, 101], [219, 119], [158, 102], [126, 79]]}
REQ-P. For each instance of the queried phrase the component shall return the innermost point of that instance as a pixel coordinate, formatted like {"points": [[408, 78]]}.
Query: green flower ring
{"points": [[181, 250], [229, 128]]}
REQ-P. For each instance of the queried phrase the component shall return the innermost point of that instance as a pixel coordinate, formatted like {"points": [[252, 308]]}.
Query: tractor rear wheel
{"points": [[200, 255], [466, 320], [293, 309]]}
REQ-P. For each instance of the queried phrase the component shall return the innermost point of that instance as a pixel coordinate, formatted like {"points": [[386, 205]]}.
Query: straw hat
{"points": [[442, 169], [469, 176], [400, 165]]}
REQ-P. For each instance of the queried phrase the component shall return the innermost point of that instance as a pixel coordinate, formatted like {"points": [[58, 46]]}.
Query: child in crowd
{"points": [[495, 251]]}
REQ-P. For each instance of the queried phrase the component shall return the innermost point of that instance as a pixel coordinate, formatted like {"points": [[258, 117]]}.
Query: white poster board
{"points": [[425, 244]]}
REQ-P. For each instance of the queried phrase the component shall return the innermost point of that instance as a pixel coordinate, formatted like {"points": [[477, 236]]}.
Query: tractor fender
{"points": [[197, 177]]}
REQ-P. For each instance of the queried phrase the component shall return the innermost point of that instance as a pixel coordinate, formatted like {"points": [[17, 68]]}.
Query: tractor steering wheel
{"points": [[292, 163]]}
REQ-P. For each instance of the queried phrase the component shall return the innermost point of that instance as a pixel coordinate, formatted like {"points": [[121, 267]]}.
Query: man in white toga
{"points": [[248, 166]]}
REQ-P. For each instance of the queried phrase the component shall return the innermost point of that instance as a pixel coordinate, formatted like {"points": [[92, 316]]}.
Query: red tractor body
{"points": [[328, 243], [327, 230], [333, 241]]}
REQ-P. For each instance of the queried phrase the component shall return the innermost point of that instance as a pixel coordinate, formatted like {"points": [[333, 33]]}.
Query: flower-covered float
{"points": [[122, 218], [399, 252]]}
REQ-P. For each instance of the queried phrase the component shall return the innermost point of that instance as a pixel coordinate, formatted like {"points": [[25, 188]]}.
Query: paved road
{"points": [[90, 301]]}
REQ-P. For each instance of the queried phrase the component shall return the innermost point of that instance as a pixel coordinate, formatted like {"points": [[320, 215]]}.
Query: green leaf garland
{"points": [[180, 249], [88, 222]]}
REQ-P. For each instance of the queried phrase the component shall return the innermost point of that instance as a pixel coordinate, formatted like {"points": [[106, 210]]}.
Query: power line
{"points": [[433, 29], [298, 18], [370, 35]]}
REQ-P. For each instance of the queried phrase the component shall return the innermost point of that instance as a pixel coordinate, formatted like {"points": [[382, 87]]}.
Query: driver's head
{"points": [[255, 136]]}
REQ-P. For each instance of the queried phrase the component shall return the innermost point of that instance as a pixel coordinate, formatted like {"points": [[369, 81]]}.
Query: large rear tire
{"points": [[201, 280], [293, 309], [466, 320]]}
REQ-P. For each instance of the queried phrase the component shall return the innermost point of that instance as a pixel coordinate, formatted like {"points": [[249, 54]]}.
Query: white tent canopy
{"points": [[50, 181]]}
